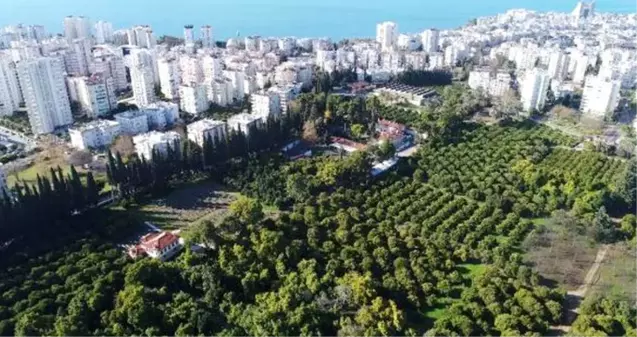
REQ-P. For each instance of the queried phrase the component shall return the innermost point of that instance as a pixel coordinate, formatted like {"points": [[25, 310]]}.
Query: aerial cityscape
{"points": [[478, 180]]}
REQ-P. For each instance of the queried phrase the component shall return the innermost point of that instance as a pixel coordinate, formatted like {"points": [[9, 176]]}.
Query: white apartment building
{"points": [[189, 35], [96, 94], [77, 27], [500, 84], [492, 84], [24, 50], [220, 92], [200, 130], [120, 37], [558, 65], [579, 70], [386, 34], [286, 45], [583, 11], [436, 61], [147, 57], [148, 143], [24, 32], [479, 79], [600, 96], [169, 77], [416, 60], [132, 122], [237, 78], [10, 95], [243, 122], [206, 36], [193, 98], [77, 58], [430, 39], [106, 62], [45, 94], [408, 42], [143, 83], [161, 114], [96, 134], [266, 104], [286, 94], [534, 88], [250, 85], [191, 69], [453, 54], [252, 43], [103, 32], [212, 68], [142, 36]]}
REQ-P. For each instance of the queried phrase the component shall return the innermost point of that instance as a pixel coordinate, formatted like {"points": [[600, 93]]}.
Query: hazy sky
{"points": [[335, 18]]}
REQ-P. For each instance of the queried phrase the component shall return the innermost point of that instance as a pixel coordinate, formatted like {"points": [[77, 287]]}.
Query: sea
{"points": [[336, 19]]}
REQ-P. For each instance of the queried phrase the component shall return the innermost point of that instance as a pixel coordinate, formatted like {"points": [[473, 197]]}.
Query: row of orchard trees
{"points": [[139, 176], [33, 210]]}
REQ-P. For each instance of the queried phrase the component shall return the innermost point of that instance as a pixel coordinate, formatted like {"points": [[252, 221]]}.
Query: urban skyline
{"points": [[225, 29]]}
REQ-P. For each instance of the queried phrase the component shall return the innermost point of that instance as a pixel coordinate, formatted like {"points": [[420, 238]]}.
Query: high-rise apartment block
{"points": [[430, 39], [386, 34], [534, 88], [10, 95], [77, 27], [45, 93], [103, 32], [600, 96]]}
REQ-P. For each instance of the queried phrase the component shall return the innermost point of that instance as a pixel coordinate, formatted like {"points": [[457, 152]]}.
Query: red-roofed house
{"points": [[347, 145], [392, 132], [157, 245]]}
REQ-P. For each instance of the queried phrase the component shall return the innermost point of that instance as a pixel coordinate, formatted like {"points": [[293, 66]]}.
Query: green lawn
{"points": [[186, 205], [471, 270], [439, 310], [43, 169], [30, 174], [561, 255], [617, 276]]}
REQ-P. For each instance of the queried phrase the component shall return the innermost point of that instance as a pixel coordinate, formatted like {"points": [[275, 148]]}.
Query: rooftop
{"points": [[243, 118], [101, 123], [348, 143], [130, 114], [206, 123], [425, 92], [160, 105], [156, 137]]}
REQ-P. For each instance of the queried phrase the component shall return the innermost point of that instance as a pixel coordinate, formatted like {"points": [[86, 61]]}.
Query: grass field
{"points": [[43, 168], [617, 277], [39, 167], [196, 202], [561, 255]]}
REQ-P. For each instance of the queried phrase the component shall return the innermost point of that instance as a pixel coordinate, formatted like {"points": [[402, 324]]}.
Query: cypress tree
{"points": [[110, 170], [76, 190], [208, 151], [92, 192], [186, 168]]}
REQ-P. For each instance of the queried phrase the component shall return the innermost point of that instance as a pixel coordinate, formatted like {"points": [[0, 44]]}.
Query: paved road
{"points": [[18, 137]]}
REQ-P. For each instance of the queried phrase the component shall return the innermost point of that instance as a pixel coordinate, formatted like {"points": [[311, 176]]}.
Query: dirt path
{"points": [[575, 297], [590, 276]]}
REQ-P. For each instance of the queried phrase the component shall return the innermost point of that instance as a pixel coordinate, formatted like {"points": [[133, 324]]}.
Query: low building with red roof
{"points": [[393, 132], [347, 145], [157, 245]]}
